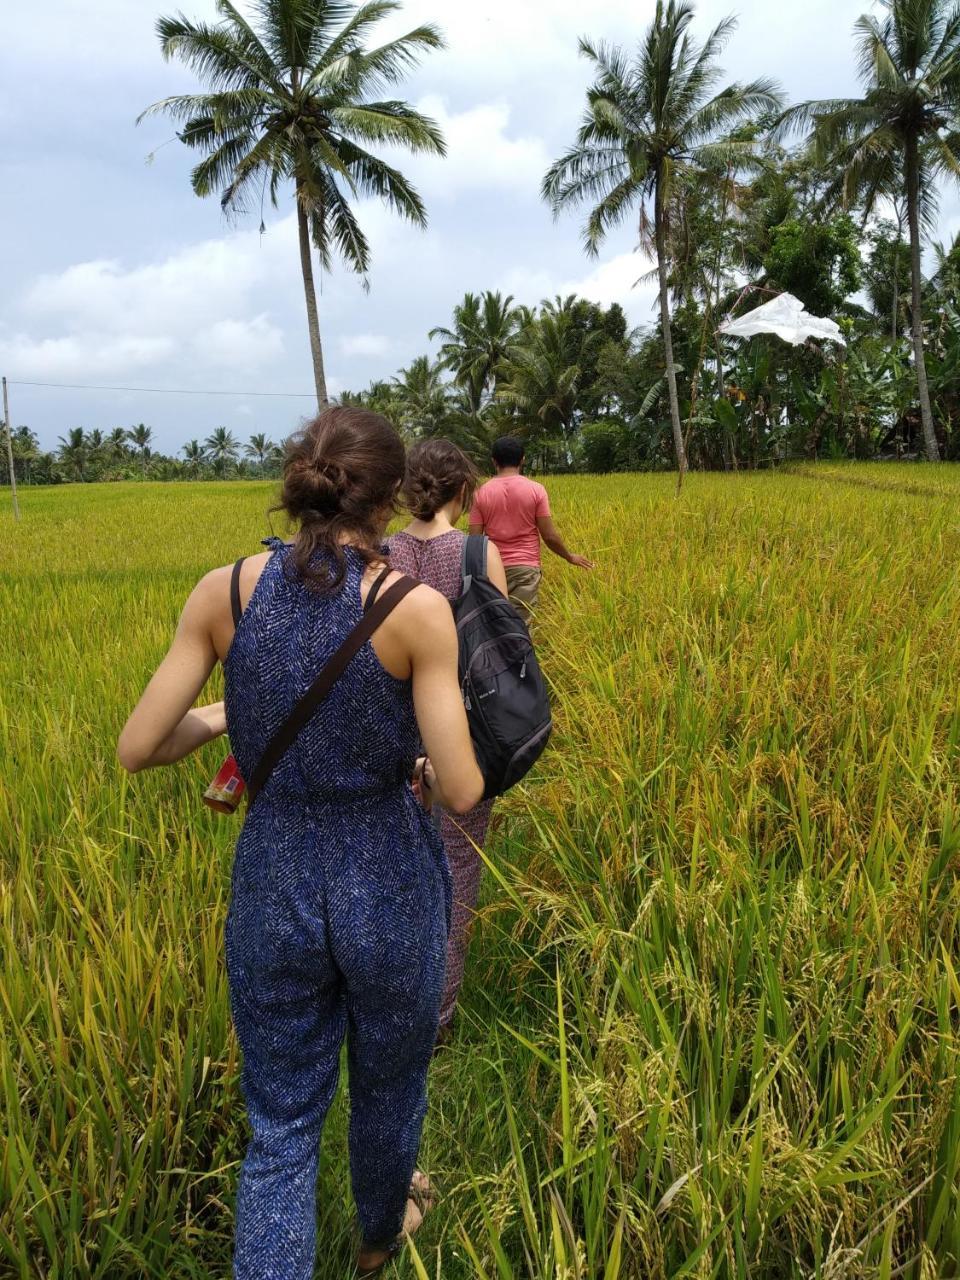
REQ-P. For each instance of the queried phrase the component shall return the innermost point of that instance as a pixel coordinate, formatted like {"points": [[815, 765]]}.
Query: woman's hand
{"points": [[214, 715], [425, 782]]}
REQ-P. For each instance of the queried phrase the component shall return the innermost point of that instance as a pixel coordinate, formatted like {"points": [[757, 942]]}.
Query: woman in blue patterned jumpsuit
{"points": [[341, 894]]}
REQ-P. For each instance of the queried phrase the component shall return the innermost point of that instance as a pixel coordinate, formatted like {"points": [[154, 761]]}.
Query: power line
{"points": [[167, 391]]}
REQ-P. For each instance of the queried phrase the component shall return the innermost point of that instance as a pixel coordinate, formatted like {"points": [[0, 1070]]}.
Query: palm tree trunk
{"points": [[310, 294], [658, 218], [916, 321]]}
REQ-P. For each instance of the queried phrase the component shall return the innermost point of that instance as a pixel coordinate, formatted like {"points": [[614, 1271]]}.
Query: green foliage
{"points": [[601, 445], [818, 261], [886, 276], [900, 138]]}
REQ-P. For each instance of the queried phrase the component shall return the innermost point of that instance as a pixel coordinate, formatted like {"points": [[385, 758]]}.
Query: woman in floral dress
{"points": [[440, 482]]}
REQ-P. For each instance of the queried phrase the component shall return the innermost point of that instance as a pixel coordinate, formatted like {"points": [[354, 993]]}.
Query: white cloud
{"points": [[81, 356], [482, 152], [200, 307], [366, 344], [195, 285], [616, 280], [241, 344], [619, 280]]}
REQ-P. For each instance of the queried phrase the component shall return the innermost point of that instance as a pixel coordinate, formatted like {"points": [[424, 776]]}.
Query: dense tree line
{"points": [[589, 393], [832, 201], [736, 197], [128, 454]]}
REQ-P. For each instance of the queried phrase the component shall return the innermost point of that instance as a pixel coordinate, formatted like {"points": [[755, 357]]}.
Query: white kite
{"points": [[787, 318]]}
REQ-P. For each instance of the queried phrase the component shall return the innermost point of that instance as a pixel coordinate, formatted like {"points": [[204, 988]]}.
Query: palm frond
{"points": [[226, 112], [247, 39], [612, 63], [945, 54], [734, 104], [392, 122], [218, 169], [213, 53], [268, 153], [803, 117], [875, 61], [584, 173], [609, 212], [697, 73], [389, 63], [350, 37], [372, 176], [338, 228]]}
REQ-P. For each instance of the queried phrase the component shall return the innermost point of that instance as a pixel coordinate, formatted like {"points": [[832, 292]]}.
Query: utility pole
{"points": [[13, 474]]}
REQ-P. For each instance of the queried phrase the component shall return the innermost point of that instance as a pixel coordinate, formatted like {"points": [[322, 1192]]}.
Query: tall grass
{"points": [[710, 1024]]}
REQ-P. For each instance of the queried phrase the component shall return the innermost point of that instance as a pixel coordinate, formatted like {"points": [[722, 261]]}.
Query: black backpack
{"points": [[504, 693]]}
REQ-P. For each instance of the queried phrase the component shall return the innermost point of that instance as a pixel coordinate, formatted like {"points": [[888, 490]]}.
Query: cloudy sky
{"points": [[116, 274]]}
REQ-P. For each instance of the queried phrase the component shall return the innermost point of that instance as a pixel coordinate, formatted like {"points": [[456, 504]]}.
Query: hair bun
{"points": [[437, 472], [341, 475], [314, 491]]}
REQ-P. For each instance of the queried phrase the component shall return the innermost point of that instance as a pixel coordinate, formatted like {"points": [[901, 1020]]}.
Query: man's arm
{"points": [[551, 536], [475, 528]]}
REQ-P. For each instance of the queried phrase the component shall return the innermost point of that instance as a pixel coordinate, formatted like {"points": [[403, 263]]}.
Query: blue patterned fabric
{"points": [[337, 925]]}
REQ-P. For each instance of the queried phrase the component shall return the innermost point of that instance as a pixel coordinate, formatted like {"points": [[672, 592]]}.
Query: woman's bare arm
{"points": [[432, 639], [165, 726]]}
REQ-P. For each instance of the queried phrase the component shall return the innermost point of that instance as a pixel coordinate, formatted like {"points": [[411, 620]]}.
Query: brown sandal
{"points": [[425, 1198]]}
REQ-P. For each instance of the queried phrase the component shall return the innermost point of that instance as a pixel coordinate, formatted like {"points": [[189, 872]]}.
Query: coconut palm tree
{"points": [[260, 447], [221, 447], [422, 398], [902, 135], [542, 375], [26, 451], [73, 452], [140, 437], [116, 444], [647, 121], [194, 455], [290, 102], [477, 344], [96, 449]]}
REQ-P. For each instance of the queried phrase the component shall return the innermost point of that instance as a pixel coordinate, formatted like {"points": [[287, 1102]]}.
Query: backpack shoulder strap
{"points": [[235, 606], [288, 732], [474, 559]]}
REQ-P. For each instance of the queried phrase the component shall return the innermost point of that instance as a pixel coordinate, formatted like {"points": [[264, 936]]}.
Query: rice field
{"points": [[711, 1021]]}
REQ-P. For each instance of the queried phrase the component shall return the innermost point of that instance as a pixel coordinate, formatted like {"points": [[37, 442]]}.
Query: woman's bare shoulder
{"points": [[212, 592]]}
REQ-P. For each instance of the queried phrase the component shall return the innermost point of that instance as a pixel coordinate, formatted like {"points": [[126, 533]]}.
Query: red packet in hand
{"points": [[226, 790]]}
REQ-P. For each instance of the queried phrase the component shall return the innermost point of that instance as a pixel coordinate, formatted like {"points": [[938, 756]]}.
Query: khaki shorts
{"points": [[523, 587]]}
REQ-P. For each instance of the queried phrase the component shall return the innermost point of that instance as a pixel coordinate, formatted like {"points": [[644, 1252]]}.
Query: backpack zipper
{"points": [[531, 741], [488, 604], [489, 644]]}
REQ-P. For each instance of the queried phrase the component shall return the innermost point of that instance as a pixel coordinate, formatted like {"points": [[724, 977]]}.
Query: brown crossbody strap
{"points": [[332, 670]]}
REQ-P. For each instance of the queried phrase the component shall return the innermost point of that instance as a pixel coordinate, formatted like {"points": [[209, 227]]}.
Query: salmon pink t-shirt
{"points": [[508, 507]]}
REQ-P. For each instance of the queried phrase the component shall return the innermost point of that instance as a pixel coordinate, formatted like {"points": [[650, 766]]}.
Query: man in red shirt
{"points": [[515, 513]]}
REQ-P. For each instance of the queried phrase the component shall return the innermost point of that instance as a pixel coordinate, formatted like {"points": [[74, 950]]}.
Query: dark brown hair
{"points": [[437, 471], [340, 473], [508, 451]]}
